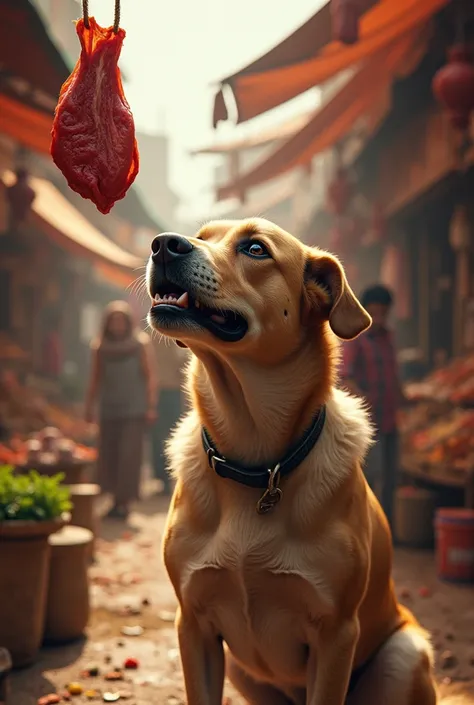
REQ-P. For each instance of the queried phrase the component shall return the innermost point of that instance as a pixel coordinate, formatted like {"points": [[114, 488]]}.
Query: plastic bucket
{"points": [[455, 545]]}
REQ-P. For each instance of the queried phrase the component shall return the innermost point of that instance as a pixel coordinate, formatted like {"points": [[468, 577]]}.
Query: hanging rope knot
{"points": [[85, 15]]}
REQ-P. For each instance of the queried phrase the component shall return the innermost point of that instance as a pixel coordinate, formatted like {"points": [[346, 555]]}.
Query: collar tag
{"points": [[272, 494]]}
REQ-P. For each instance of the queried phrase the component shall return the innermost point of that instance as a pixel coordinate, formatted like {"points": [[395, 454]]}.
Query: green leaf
{"points": [[32, 496]]}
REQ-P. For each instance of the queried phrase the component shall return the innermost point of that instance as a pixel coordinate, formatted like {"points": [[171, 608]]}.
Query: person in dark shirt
{"points": [[370, 370]]}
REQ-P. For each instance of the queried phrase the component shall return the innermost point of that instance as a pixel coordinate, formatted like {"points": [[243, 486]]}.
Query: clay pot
{"points": [[74, 471], [414, 514], [24, 561], [84, 511], [67, 611]]}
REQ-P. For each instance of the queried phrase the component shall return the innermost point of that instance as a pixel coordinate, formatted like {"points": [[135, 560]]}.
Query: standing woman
{"points": [[123, 386]]}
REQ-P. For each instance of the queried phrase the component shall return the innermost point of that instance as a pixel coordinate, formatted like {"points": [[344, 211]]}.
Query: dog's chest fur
{"points": [[263, 594], [253, 579]]}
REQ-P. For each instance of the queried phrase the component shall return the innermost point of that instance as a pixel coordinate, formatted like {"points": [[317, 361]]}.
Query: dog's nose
{"points": [[169, 246]]}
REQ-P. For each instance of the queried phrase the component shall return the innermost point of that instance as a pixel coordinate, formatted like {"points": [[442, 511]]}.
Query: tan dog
{"points": [[297, 586]]}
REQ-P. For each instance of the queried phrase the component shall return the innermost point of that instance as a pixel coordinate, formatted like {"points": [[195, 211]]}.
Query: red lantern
{"points": [[339, 193], [453, 86], [20, 197], [345, 20]]}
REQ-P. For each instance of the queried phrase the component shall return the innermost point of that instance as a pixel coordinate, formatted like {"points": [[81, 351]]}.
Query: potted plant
{"points": [[32, 506]]}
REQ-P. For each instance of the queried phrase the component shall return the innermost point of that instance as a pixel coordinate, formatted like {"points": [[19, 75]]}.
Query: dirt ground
{"points": [[129, 588]]}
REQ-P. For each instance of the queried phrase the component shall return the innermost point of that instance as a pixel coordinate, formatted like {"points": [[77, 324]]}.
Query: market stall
{"points": [[28, 420], [438, 429]]}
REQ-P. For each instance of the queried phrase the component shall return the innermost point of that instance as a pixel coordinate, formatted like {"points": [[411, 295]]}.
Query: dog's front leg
{"points": [[330, 663], [202, 657]]}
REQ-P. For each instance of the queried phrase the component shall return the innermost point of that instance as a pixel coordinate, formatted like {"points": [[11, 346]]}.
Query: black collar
{"points": [[262, 476]]}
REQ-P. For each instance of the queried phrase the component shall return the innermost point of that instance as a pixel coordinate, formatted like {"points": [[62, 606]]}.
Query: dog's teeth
{"points": [[183, 300], [197, 304]]}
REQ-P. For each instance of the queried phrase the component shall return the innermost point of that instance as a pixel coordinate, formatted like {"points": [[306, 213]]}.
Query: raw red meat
{"points": [[93, 135]]}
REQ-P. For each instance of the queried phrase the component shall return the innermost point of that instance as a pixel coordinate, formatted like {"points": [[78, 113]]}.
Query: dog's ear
{"points": [[326, 288]]}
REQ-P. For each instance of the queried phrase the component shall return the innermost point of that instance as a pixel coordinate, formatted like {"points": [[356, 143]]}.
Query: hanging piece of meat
{"points": [[93, 135]]}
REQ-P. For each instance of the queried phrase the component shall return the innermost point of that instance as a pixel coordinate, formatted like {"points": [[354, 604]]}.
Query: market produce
{"points": [[438, 429], [55, 449], [48, 447], [453, 383], [21, 410], [447, 441], [24, 410], [9, 456]]}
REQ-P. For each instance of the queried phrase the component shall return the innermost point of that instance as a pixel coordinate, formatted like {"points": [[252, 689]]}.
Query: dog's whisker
{"points": [[133, 286], [139, 289]]}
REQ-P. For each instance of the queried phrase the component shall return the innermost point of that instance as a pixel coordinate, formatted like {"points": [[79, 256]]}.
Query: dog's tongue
{"points": [[217, 318]]}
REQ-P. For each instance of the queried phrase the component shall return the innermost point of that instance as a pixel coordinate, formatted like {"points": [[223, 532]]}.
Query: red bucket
{"points": [[455, 545]]}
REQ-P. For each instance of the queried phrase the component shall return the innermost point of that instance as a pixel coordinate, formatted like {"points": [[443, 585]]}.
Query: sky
{"points": [[174, 54]]}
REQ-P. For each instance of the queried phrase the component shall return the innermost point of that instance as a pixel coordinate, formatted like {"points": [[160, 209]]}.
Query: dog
{"points": [[279, 553]]}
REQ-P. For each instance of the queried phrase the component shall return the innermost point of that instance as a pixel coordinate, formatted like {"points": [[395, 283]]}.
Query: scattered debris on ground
{"points": [[131, 652]]}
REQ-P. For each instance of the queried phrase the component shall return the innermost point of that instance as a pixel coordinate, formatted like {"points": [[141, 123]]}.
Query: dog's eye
{"points": [[255, 249]]}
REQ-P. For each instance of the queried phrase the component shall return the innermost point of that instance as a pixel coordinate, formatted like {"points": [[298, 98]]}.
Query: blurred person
{"points": [[170, 360], [122, 382], [370, 370]]}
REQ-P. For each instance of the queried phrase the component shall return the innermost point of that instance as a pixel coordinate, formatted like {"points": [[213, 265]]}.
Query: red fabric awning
{"points": [[334, 120], [301, 45], [257, 89], [26, 125]]}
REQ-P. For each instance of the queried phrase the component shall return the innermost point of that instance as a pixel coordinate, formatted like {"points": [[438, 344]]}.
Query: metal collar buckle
{"points": [[213, 459], [272, 494]]}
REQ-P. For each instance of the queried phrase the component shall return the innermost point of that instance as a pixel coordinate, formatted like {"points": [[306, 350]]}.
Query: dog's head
{"points": [[248, 286]]}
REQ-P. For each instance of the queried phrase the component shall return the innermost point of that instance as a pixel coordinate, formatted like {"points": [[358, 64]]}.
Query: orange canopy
{"points": [[275, 132], [113, 275], [25, 125], [355, 99], [55, 216], [257, 88]]}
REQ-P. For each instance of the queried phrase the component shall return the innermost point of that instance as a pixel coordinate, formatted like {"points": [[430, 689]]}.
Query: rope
{"points": [[117, 16], [85, 14]]}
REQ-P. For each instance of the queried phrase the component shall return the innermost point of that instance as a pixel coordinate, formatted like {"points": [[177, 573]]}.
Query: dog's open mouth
{"points": [[172, 307]]}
